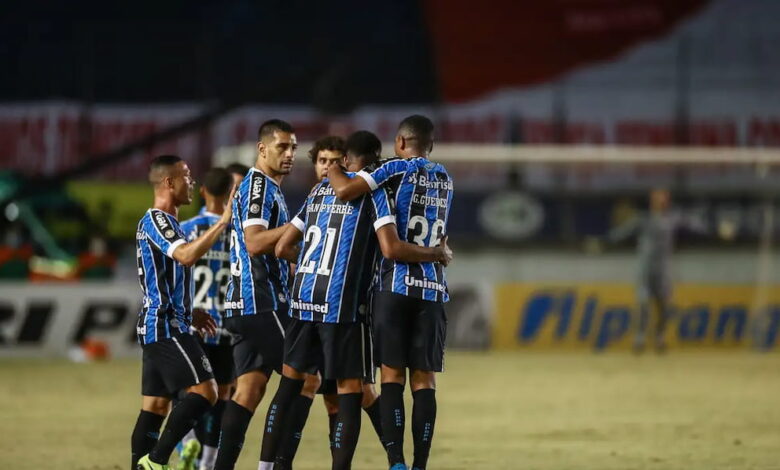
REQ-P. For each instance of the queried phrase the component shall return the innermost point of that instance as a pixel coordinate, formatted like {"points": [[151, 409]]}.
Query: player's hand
{"points": [[445, 255], [203, 323], [228, 214]]}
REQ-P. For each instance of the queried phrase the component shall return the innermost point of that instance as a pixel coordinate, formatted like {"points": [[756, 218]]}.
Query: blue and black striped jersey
{"points": [[337, 261], [422, 191], [258, 284], [165, 283], [211, 273]]}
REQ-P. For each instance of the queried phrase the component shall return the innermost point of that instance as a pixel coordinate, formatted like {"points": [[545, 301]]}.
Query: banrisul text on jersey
{"points": [[422, 191]]}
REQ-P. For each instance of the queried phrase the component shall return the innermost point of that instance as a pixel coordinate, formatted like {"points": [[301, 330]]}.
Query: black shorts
{"points": [[221, 359], [329, 387], [258, 342], [333, 349], [173, 364], [409, 332]]}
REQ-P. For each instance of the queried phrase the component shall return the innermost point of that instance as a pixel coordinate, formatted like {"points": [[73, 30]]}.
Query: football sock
{"points": [[213, 424], [345, 437], [374, 414], [180, 421], [331, 428], [297, 416], [235, 421], [145, 434], [423, 421], [274, 420], [392, 406]]}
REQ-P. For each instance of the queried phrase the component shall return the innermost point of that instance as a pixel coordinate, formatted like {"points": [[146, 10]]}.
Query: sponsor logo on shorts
{"points": [[282, 298], [309, 306], [206, 364]]}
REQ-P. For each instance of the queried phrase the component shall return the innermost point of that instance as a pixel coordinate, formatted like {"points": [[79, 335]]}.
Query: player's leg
{"points": [[342, 346], [392, 322], [251, 380], [661, 297], [643, 323], [221, 358], [182, 365], [371, 402], [297, 362], [330, 398], [426, 358], [296, 421], [154, 409]]}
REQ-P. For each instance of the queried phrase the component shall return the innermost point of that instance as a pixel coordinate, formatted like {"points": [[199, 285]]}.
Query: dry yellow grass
{"points": [[689, 411]]}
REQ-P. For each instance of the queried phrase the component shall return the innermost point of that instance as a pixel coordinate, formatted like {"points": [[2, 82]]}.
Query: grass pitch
{"points": [[706, 410]]}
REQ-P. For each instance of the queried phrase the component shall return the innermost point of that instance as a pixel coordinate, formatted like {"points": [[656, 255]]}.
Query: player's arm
{"points": [[188, 253], [260, 240], [347, 188], [394, 248], [289, 246]]}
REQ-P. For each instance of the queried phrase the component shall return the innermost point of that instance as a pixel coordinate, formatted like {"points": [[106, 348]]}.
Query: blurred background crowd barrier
{"points": [[556, 120]]}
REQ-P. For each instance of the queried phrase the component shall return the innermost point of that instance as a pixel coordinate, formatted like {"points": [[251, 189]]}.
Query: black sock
{"points": [[374, 414], [274, 420], [331, 428], [423, 421], [145, 434], [393, 418], [180, 421], [345, 437], [296, 420], [212, 424], [235, 421]]}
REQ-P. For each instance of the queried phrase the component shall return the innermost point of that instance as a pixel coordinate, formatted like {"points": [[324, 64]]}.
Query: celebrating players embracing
{"points": [[410, 322]]}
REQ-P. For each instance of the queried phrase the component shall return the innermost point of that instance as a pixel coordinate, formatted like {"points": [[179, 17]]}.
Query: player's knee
{"points": [[157, 405], [223, 391], [422, 379], [207, 390], [310, 385], [393, 375], [349, 386], [369, 395], [331, 402]]}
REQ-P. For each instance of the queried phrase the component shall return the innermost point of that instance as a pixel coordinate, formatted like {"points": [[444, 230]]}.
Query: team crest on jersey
{"points": [[169, 233], [254, 208], [206, 364]]}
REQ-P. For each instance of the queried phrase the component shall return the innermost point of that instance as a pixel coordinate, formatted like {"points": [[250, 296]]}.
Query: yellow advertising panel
{"points": [[605, 316]]}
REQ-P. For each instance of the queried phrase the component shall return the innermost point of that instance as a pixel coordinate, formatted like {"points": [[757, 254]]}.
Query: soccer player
{"points": [[237, 171], [363, 148], [211, 274], [256, 309], [172, 358], [330, 293], [408, 307]]}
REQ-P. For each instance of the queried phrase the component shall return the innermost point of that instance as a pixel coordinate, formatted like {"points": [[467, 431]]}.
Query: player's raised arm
{"points": [[396, 249], [188, 253], [346, 188]]}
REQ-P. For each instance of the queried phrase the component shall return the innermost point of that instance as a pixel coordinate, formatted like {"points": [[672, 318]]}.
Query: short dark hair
{"points": [[217, 182], [366, 145], [237, 169], [160, 164], [419, 128], [333, 143], [272, 125]]}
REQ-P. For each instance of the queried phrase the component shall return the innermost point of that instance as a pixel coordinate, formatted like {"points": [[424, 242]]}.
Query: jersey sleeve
{"points": [[384, 172], [382, 208], [260, 201], [161, 230], [299, 221]]}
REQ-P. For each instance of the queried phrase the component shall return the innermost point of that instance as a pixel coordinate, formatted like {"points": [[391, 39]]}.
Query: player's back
{"points": [[258, 284], [211, 273], [335, 267], [422, 194]]}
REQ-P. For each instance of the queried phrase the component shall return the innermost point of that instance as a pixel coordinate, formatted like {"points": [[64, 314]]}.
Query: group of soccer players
{"points": [[367, 251]]}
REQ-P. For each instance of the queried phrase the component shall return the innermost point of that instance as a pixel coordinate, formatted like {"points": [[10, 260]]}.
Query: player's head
{"points": [[171, 178], [363, 149], [216, 185], [326, 151], [237, 171], [660, 199], [414, 137], [276, 145]]}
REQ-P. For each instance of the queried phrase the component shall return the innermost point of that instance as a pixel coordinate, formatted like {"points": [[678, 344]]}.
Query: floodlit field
{"points": [[496, 411]]}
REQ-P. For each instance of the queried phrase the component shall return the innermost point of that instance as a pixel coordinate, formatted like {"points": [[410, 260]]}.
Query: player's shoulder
{"points": [[392, 162], [161, 221]]}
